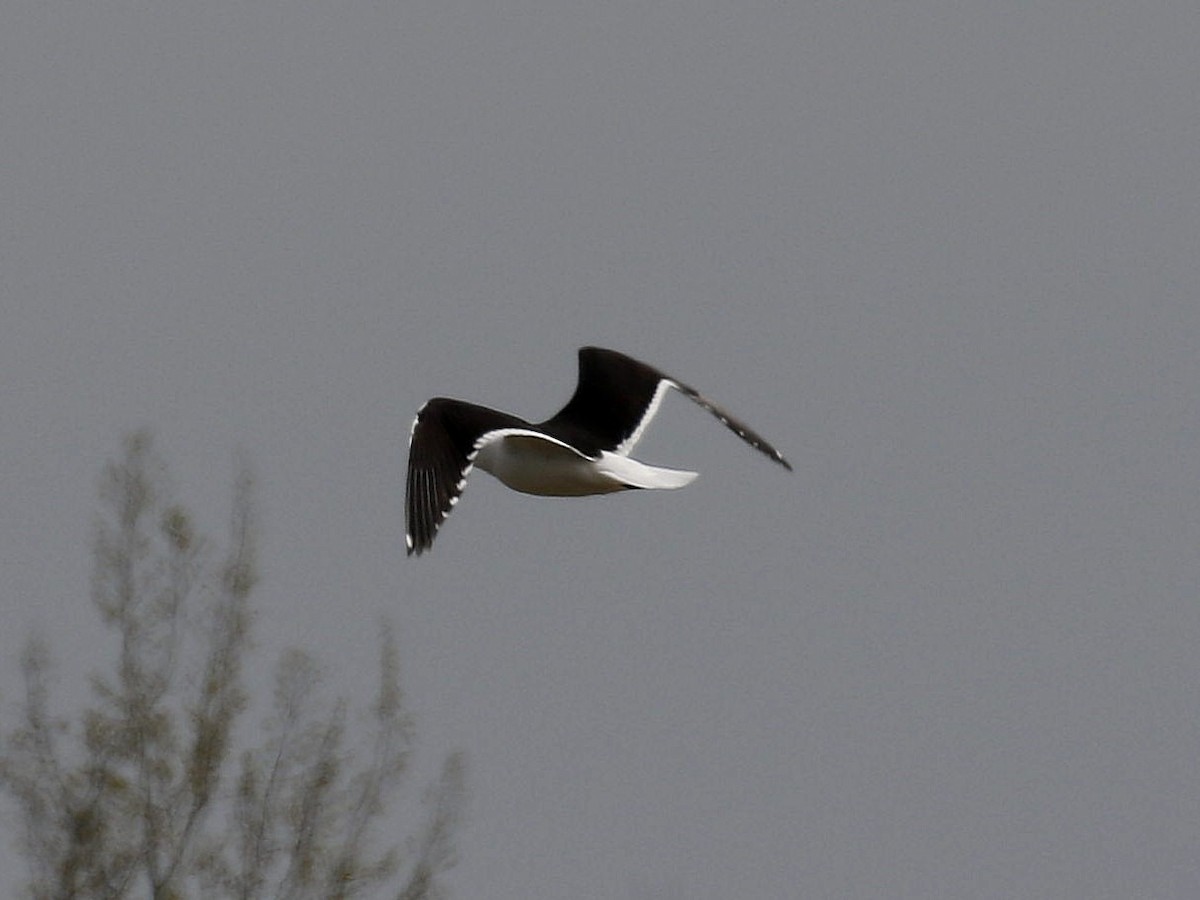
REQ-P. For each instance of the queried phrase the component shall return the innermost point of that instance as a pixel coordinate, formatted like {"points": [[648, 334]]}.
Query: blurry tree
{"points": [[147, 795]]}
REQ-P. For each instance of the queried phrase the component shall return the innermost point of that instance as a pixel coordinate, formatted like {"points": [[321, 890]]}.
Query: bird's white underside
{"points": [[535, 463]]}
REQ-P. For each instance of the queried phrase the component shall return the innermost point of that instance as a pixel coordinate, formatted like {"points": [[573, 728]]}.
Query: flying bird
{"points": [[583, 449]]}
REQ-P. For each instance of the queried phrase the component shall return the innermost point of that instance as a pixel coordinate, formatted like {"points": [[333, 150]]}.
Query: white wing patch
{"points": [[627, 445]]}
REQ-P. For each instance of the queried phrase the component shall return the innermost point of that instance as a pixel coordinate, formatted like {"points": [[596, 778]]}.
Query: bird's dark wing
{"points": [[613, 402], [616, 398], [441, 452]]}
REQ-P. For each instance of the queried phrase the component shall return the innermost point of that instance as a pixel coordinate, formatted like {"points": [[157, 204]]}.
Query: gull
{"points": [[581, 450]]}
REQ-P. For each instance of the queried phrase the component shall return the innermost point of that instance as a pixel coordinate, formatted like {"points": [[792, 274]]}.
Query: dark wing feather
{"points": [[612, 397], [441, 452], [742, 430]]}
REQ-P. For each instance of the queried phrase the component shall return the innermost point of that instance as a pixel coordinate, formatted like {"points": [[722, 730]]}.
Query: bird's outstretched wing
{"points": [[442, 445], [617, 397], [614, 400]]}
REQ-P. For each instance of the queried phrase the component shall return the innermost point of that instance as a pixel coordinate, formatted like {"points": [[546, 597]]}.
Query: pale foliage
{"points": [[146, 795]]}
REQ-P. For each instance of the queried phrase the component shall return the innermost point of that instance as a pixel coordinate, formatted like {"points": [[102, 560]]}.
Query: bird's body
{"points": [[533, 463], [582, 450]]}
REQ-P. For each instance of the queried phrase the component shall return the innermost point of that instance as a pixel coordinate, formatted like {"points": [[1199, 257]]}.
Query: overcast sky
{"points": [[942, 254]]}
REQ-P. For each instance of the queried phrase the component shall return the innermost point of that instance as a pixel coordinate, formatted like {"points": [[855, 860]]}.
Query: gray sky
{"points": [[943, 255]]}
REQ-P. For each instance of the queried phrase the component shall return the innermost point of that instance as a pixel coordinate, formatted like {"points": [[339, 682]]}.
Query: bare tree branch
{"points": [[148, 796]]}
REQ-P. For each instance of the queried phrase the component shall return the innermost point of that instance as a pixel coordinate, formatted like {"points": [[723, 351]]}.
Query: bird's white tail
{"points": [[636, 474]]}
